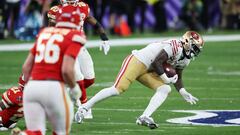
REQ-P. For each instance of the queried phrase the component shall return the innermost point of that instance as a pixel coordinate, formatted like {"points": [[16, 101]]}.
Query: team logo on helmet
{"points": [[209, 117]]}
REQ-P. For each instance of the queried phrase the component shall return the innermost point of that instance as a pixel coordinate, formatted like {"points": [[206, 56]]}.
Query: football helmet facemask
{"points": [[192, 44]]}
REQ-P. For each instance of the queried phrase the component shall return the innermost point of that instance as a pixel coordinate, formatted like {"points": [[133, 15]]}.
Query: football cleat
{"points": [[146, 121], [79, 115], [3, 129]]}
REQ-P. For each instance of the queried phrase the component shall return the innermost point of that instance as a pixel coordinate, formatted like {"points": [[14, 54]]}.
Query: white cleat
{"points": [[79, 115], [3, 129], [88, 114], [146, 121]]}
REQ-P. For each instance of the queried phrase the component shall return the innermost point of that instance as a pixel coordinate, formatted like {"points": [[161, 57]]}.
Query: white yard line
{"points": [[126, 42], [162, 125]]}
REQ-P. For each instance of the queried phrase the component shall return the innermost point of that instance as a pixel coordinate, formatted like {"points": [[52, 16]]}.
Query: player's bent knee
{"points": [[164, 89]]}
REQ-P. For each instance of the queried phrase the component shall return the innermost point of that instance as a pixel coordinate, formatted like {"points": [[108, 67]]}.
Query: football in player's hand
{"points": [[169, 70]]}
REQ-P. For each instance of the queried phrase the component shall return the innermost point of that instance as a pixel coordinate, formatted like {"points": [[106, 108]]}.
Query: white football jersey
{"points": [[173, 48]]}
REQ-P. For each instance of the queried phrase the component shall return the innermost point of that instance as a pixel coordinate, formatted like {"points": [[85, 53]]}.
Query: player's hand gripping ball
{"points": [[169, 70]]}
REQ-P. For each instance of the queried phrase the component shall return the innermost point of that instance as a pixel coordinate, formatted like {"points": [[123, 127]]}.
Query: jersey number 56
{"points": [[48, 50]]}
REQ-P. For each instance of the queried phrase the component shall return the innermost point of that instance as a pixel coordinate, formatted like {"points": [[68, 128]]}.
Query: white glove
{"points": [[105, 46], [188, 97], [75, 93], [169, 80]]}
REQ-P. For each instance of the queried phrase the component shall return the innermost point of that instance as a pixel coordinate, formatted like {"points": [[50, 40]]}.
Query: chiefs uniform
{"points": [[11, 109], [45, 95], [50, 66], [84, 65], [12, 101], [53, 13]]}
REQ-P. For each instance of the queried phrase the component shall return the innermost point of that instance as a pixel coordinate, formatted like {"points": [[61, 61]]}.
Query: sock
{"points": [[88, 82], [101, 95], [83, 98], [157, 99], [29, 132]]}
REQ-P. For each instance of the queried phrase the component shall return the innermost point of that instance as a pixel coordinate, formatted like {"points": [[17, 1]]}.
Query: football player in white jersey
{"points": [[146, 66]]}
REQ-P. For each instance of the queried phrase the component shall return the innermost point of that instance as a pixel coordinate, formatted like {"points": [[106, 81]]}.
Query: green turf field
{"points": [[213, 77]]}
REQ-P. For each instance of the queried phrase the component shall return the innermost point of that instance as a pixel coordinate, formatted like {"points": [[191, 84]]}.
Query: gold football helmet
{"points": [[192, 44]]}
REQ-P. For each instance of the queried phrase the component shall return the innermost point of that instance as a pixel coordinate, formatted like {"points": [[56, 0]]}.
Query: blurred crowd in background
{"points": [[22, 19]]}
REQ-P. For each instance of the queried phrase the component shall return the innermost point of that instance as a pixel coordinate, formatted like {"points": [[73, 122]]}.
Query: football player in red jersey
{"points": [[11, 109], [87, 76], [48, 71]]}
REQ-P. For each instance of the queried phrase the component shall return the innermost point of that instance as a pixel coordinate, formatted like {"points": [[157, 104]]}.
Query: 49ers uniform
{"points": [[142, 60], [12, 101], [45, 95]]}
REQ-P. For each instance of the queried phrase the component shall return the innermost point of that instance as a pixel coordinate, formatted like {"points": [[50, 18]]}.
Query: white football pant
{"points": [[85, 65], [47, 100]]}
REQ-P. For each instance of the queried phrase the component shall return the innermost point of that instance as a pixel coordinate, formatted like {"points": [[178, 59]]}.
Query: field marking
{"points": [[125, 131], [162, 125], [212, 71], [125, 42], [230, 73]]}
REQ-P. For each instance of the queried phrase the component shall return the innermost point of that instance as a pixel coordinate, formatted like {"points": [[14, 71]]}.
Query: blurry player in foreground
{"points": [[11, 108], [48, 70], [146, 66], [87, 76]]}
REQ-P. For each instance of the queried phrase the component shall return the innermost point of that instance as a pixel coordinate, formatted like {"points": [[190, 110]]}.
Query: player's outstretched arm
{"points": [[180, 87], [179, 84], [100, 30]]}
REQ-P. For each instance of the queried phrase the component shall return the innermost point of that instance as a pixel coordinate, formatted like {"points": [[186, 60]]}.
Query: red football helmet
{"points": [[69, 16]]}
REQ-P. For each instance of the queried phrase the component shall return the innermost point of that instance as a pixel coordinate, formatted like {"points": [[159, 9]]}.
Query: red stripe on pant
{"points": [[123, 69]]}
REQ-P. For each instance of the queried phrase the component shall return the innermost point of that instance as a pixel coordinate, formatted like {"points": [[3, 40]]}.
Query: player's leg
{"points": [[152, 81], [87, 67], [80, 80], [130, 70], [59, 110], [33, 111]]}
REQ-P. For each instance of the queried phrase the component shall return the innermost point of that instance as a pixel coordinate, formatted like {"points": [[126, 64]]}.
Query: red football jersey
{"points": [[53, 13], [13, 96], [12, 99], [51, 45]]}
